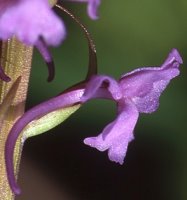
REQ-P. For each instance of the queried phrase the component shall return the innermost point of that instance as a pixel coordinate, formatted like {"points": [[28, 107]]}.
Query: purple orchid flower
{"points": [[136, 92]]}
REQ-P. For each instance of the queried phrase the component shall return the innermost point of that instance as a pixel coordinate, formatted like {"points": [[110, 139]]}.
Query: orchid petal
{"points": [[145, 85], [29, 20], [117, 135], [103, 87]]}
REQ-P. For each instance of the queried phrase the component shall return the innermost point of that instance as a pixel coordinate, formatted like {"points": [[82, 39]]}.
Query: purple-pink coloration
{"points": [[116, 135], [136, 92], [92, 7], [29, 20]]}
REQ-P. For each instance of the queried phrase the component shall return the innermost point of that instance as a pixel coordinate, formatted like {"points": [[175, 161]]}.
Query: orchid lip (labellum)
{"points": [[136, 92]]}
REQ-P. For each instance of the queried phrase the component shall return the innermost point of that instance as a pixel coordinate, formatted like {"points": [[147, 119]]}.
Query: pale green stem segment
{"points": [[15, 58], [48, 121]]}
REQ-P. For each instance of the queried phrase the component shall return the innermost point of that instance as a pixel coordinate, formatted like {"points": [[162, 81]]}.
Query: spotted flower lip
{"points": [[29, 20], [139, 92]]}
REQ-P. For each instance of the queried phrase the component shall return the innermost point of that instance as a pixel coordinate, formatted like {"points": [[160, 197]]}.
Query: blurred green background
{"points": [[129, 34]]}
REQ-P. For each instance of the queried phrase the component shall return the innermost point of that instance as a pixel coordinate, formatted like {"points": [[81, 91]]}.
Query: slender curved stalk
{"points": [[92, 65]]}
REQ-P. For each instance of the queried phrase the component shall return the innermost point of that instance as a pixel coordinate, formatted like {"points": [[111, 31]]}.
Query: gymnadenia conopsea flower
{"points": [[25, 24], [135, 92]]}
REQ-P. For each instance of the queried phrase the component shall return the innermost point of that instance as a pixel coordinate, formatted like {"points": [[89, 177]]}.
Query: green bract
{"points": [[49, 121]]}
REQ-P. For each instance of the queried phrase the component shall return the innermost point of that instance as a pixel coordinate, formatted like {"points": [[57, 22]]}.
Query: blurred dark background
{"points": [[129, 34]]}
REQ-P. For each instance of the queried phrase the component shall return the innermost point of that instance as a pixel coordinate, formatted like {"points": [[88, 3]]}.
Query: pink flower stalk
{"points": [[135, 92]]}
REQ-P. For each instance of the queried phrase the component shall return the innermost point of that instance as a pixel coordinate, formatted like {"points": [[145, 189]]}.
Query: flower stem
{"points": [[15, 59]]}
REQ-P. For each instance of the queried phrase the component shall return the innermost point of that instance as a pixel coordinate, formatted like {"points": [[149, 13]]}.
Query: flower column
{"points": [[15, 59]]}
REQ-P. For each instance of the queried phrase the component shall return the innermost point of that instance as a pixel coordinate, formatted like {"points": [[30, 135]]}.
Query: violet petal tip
{"points": [[177, 55], [89, 142]]}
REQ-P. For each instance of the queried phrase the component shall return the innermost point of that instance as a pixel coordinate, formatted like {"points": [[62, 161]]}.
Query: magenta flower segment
{"points": [[29, 20], [135, 92]]}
